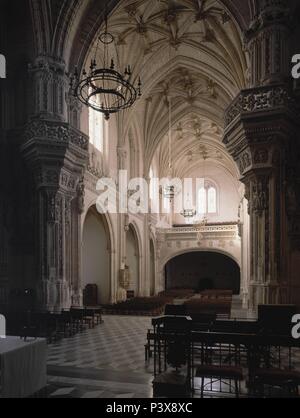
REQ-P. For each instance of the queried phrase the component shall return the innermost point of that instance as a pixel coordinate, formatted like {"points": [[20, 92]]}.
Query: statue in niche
{"points": [[96, 164], [125, 277], [121, 295], [81, 196], [124, 282], [259, 198]]}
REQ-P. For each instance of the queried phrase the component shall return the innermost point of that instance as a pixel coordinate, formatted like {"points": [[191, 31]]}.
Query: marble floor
{"points": [[106, 362]]}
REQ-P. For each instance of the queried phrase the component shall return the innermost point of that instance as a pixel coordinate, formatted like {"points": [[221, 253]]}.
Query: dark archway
{"points": [[203, 271]]}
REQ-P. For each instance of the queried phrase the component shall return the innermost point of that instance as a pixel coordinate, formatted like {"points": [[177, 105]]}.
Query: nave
{"points": [[149, 176]]}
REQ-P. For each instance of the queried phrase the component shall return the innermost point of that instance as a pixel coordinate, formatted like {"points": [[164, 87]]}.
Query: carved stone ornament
{"points": [[62, 133], [261, 156], [259, 196], [245, 161], [95, 166], [81, 196], [259, 100]]}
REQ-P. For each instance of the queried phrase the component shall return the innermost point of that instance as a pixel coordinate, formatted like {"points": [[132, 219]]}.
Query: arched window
{"points": [[202, 201], [212, 200], [96, 129], [207, 200]]}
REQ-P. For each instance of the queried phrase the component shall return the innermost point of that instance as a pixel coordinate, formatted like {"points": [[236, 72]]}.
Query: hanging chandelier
{"points": [[189, 212], [105, 89], [169, 192]]}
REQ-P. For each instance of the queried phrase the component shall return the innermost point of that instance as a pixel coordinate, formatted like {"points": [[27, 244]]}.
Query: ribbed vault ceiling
{"points": [[188, 51]]}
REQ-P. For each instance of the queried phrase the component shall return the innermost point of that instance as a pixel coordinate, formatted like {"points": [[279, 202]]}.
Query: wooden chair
{"points": [[218, 364], [149, 346], [271, 367], [172, 351]]}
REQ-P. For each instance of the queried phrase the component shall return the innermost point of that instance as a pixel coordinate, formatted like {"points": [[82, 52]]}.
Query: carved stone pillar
{"points": [[268, 42], [123, 218], [48, 88], [258, 186], [260, 125], [57, 155], [74, 110]]}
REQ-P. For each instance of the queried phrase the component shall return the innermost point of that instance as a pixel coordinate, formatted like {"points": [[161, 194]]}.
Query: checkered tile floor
{"points": [[106, 362]]}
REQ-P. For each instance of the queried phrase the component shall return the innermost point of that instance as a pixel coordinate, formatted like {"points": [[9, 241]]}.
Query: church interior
{"points": [[197, 302]]}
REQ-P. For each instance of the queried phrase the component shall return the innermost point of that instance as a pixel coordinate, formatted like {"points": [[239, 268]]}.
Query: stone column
{"points": [[123, 226], [268, 43], [48, 88], [57, 155], [259, 127]]}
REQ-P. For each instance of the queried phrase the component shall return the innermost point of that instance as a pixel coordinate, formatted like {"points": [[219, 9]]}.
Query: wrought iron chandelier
{"points": [[105, 89], [189, 212], [169, 192]]}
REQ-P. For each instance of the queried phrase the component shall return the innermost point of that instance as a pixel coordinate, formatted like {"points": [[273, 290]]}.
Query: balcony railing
{"points": [[227, 228]]}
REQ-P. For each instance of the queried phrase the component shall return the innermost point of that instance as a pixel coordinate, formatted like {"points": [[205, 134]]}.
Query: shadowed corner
{"points": [[2, 66], [2, 327]]}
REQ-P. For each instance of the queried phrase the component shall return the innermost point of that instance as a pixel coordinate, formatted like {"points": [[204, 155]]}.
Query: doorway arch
{"points": [[96, 255], [203, 270]]}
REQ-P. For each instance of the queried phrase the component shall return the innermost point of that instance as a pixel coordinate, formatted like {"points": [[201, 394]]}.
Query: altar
{"points": [[23, 367]]}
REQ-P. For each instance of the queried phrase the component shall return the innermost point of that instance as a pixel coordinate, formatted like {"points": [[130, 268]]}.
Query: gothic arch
{"points": [[108, 222], [42, 26], [137, 257], [202, 250], [218, 270], [109, 233]]}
